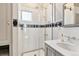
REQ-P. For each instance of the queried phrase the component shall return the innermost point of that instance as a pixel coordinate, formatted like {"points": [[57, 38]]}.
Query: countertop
{"points": [[53, 45]]}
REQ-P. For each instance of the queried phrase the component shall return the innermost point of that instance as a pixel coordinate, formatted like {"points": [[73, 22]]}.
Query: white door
{"points": [[5, 23]]}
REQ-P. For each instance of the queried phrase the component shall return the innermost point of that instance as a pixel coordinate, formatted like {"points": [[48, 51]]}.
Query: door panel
{"points": [[5, 22]]}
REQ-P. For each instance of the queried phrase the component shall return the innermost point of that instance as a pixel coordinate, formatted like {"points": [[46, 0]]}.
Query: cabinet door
{"points": [[51, 52], [5, 22]]}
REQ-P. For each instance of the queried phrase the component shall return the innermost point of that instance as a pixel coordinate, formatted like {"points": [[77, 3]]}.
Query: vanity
{"points": [[51, 51], [59, 48]]}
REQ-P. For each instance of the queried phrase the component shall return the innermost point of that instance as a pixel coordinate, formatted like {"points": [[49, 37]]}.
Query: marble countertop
{"points": [[65, 52]]}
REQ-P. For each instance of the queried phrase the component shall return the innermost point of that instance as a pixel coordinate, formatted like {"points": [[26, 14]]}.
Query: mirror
{"points": [[71, 14], [58, 14]]}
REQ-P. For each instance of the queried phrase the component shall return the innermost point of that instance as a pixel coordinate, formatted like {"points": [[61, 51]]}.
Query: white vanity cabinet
{"points": [[49, 51], [71, 14]]}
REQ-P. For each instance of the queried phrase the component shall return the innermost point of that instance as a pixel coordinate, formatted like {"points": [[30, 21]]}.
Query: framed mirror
{"points": [[71, 14]]}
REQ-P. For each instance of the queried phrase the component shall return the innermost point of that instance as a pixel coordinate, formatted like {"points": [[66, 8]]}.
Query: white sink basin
{"points": [[68, 47]]}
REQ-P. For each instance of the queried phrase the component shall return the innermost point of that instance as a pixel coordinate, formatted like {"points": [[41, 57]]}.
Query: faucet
{"points": [[74, 38], [68, 38]]}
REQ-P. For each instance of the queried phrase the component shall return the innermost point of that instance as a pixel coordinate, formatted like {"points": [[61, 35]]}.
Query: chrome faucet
{"points": [[70, 38], [67, 37], [74, 38]]}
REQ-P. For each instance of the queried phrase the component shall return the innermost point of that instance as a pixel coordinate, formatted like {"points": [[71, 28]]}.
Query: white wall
{"points": [[72, 32], [38, 13], [14, 31], [48, 21]]}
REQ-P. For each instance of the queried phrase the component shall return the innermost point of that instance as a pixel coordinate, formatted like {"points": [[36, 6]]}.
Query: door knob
{"points": [[8, 23], [15, 23]]}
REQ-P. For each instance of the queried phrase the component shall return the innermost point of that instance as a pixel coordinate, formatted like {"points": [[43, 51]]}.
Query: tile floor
{"points": [[35, 53]]}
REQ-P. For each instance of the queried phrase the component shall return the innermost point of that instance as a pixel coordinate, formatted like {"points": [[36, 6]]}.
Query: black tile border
{"points": [[60, 24]]}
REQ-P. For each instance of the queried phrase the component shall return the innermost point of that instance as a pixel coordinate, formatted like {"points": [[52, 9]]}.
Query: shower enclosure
{"points": [[33, 30]]}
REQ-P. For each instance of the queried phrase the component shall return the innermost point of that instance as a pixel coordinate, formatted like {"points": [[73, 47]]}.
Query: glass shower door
{"points": [[32, 39]]}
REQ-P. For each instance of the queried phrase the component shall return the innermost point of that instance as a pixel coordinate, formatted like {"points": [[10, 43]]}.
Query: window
{"points": [[26, 16]]}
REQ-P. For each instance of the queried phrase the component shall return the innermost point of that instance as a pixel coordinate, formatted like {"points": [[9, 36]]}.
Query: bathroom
{"points": [[39, 29]]}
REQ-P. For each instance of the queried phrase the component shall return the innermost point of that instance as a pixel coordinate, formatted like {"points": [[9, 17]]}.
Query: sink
{"points": [[68, 47]]}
